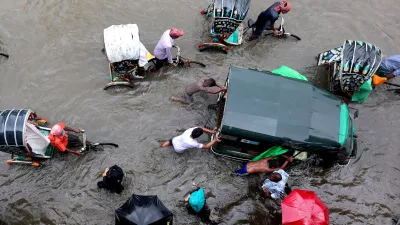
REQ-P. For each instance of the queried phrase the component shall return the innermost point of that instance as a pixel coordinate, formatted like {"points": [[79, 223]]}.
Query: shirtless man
{"points": [[261, 166], [202, 85]]}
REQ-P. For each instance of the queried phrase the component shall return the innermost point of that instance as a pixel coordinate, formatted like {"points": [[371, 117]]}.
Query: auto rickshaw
{"points": [[264, 110]]}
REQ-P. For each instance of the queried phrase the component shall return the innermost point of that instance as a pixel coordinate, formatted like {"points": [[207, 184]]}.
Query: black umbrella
{"points": [[143, 210]]}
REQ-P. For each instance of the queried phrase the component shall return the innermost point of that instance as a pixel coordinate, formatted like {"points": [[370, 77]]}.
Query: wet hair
{"points": [[197, 132], [275, 177], [113, 179], [211, 82]]}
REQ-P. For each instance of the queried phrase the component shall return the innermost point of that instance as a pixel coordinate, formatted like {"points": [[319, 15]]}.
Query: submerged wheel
{"points": [[215, 46], [295, 36], [196, 63], [119, 86], [5, 55], [286, 35]]}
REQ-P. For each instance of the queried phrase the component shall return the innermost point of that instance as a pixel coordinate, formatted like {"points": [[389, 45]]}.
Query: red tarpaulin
{"points": [[303, 207]]}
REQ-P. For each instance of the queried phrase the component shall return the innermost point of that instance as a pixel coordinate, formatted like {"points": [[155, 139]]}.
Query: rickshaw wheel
{"points": [[114, 84], [217, 46]]}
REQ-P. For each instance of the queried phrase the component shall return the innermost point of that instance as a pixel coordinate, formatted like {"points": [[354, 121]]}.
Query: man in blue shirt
{"points": [[266, 19], [390, 67]]}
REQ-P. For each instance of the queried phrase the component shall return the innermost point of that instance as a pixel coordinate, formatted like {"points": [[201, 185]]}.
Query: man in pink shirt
{"points": [[162, 52]]}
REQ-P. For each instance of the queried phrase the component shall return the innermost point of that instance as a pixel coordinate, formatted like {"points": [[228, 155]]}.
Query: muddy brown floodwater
{"points": [[56, 67]]}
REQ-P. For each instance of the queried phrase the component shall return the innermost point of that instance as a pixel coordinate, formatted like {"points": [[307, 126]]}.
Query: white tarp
{"points": [[122, 43], [36, 140]]}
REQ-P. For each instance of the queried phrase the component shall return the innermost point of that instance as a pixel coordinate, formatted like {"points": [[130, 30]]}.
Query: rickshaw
{"points": [[22, 136], [265, 114], [128, 57], [226, 27], [350, 68]]}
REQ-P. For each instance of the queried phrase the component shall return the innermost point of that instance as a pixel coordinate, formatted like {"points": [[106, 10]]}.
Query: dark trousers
{"points": [[74, 141], [160, 62]]}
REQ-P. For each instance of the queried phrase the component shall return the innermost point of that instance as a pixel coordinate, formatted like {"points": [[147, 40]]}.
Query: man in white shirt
{"points": [[274, 186], [187, 140], [162, 51]]}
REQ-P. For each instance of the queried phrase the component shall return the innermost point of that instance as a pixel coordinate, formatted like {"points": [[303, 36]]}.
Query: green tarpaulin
{"points": [[363, 93], [273, 151], [289, 72]]}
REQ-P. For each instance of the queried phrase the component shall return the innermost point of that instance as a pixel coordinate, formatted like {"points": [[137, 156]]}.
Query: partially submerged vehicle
{"points": [[262, 110], [350, 68], [26, 141], [128, 57], [226, 26]]}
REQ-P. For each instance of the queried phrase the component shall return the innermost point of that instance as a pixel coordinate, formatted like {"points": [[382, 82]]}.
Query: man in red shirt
{"points": [[62, 141]]}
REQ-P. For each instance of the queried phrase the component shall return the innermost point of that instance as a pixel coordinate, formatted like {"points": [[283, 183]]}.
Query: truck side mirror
{"points": [[355, 114]]}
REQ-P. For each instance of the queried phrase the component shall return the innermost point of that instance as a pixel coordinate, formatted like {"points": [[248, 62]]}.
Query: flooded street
{"points": [[56, 67]]}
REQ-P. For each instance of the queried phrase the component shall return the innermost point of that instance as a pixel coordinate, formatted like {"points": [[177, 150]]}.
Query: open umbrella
{"points": [[143, 210], [303, 207]]}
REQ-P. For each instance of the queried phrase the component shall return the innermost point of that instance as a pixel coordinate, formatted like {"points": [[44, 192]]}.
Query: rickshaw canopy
{"points": [[12, 127], [17, 133], [228, 15], [122, 43], [354, 63]]}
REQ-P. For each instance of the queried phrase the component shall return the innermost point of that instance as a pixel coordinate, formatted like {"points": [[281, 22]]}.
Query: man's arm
{"points": [[290, 159], [219, 85], [266, 191], [211, 143], [73, 152], [209, 131], [272, 26], [169, 54], [72, 130], [216, 92], [390, 76]]}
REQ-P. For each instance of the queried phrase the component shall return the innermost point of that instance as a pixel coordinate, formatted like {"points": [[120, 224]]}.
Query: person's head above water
{"points": [[175, 33], [284, 7], [209, 83], [197, 132], [275, 177]]}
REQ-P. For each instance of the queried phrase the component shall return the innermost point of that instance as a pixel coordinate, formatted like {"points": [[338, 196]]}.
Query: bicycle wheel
{"points": [[196, 63], [5, 55], [98, 146], [295, 36]]}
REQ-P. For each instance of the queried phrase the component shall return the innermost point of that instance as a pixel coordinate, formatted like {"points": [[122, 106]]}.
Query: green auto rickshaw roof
{"points": [[262, 105]]}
